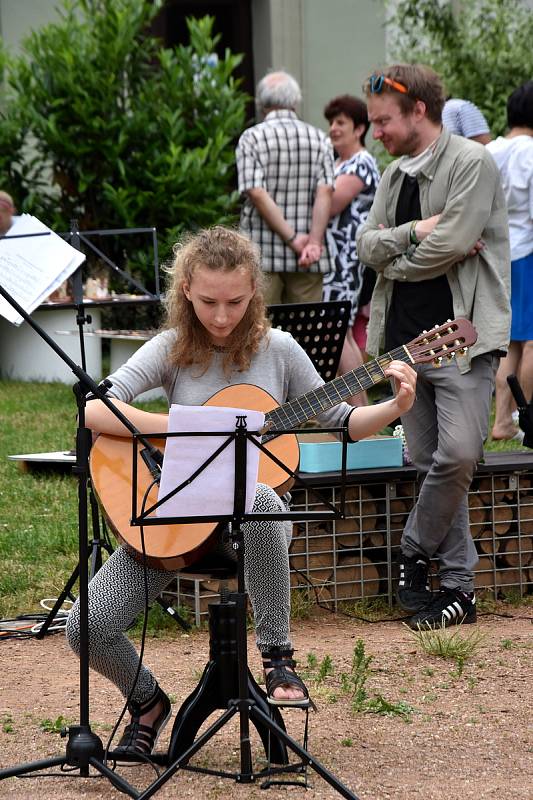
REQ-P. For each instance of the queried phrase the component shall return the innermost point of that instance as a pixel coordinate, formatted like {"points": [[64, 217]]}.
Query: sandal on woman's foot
{"points": [[139, 739], [281, 665]]}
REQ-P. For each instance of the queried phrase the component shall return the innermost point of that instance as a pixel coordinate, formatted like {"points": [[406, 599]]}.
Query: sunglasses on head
{"points": [[377, 82]]}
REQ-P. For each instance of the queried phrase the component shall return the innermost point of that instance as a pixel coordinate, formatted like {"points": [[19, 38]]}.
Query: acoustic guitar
{"points": [[174, 547]]}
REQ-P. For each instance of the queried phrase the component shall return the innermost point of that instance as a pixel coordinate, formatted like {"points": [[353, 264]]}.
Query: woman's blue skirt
{"points": [[522, 299]]}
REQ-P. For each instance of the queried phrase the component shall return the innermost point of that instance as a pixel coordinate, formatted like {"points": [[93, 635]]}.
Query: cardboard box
{"points": [[322, 452]]}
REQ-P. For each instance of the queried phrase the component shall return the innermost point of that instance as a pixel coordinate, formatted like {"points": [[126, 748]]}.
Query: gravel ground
{"points": [[469, 734]]}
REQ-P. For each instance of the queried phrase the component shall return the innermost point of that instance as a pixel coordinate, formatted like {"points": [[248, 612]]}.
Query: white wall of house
{"points": [[329, 47], [19, 17]]}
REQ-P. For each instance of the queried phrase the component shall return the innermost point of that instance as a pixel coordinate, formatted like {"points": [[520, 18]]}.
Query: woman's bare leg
{"points": [[504, 427], [351, 358]]}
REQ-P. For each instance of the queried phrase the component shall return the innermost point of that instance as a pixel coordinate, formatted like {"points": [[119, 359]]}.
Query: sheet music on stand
{"points": [[32, 267], [212, 492]]}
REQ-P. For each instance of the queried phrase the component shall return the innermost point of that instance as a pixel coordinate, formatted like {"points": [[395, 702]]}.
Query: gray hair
{"points": [[278, 90]]}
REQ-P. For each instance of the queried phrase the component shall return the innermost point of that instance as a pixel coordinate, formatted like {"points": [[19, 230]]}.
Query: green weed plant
{"points": [[448, 643], [354, 684]]}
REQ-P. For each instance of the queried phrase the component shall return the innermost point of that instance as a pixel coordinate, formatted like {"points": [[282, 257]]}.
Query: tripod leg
{"points": [[174, 614], [59, 602], [32, 766], [276, 747], [95, 564], [219, 685], [97, 542]]}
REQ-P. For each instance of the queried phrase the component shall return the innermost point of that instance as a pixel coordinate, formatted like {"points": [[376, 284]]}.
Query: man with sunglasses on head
{"points": [[437, 236]]}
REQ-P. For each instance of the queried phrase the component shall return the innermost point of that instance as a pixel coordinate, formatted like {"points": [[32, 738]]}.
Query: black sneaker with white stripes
{"points": [[413, 591], [448, 607]]}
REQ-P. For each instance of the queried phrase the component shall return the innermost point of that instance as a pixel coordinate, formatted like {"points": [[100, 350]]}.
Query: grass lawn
{"points": [[38, 512]]}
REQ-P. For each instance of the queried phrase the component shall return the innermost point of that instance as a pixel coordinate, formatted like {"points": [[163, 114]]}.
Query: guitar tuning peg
{"points": [[437, 362]]}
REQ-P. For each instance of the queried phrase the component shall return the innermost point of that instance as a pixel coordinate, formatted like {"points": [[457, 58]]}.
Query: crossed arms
{"points": [[445, 239]]}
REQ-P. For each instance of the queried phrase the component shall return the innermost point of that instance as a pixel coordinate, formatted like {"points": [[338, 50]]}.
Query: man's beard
{"points": [[408, 146]]}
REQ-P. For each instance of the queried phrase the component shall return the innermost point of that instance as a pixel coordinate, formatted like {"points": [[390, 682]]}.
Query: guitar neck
{"points": [[309, 405]]}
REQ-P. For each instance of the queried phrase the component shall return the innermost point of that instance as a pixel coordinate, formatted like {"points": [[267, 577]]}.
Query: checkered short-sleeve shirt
{"points": [[288, 158]]}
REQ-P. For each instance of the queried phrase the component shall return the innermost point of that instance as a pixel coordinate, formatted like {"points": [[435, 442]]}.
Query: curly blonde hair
{"points": [[222, 250]]}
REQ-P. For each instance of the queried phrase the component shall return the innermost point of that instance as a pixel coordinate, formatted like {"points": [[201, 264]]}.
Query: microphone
{"points": [[153, 458]]}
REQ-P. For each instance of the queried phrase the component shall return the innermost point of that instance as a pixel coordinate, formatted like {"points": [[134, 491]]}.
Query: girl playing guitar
{"points": [[217, 336]]}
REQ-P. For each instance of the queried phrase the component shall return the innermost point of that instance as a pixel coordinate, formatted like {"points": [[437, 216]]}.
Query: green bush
{"points": [[123, 132], [12, 135], [481, 48]]}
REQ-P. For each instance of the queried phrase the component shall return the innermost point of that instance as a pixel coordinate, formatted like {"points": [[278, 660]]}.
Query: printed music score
{"points": [[32, 267], [212, 491]]}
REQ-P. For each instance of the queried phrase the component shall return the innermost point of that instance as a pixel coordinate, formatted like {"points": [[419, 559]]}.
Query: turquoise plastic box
{"points": [[321, 452]]}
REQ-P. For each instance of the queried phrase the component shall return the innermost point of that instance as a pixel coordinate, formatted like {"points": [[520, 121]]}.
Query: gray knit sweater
{"points": [[281, 367]]}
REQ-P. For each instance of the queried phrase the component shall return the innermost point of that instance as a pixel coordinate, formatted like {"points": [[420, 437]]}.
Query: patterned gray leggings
{"points": [[116, 598]]}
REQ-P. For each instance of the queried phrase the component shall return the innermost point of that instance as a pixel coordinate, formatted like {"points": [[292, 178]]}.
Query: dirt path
{"points": [[469, 736]]}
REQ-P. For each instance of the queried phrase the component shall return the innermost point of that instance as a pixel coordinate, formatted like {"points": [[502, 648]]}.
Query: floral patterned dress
{"points": [[344, 282]]}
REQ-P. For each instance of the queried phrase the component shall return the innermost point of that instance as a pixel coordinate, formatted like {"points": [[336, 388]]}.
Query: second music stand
{"points": [[246, 705]]}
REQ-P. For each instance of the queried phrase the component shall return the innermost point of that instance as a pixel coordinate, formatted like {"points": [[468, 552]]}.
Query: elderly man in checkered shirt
{"points": [[285, 169]]}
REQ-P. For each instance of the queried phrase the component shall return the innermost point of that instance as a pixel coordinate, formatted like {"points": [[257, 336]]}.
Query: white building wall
{"points": [[329, 47], [19, 17]]}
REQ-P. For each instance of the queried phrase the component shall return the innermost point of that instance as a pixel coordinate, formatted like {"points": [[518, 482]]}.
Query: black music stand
{"points": [[319, 328], [248, 705]]}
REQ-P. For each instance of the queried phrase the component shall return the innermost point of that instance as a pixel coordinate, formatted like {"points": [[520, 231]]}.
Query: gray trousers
{"points": [[445, 431]]}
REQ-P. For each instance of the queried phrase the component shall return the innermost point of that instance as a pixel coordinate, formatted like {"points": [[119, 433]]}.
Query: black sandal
{"points": [[140, 739], [282, 664]]}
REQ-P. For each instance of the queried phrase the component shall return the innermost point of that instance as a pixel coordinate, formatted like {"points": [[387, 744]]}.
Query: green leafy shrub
{"points": [[123, 132]]}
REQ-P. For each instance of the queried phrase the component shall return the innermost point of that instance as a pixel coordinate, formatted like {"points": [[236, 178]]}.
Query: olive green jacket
{"points": [[462, 183]]}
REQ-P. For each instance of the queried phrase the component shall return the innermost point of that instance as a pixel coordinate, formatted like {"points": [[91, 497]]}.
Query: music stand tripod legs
{"points": [[245, 705]]}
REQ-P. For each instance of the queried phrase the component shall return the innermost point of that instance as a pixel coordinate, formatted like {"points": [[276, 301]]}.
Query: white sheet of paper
{"points": [[32, 268], [212, 492]]}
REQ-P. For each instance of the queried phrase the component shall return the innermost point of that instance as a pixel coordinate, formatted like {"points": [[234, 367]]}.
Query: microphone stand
{"points": [[84, 749], [97, 542]]}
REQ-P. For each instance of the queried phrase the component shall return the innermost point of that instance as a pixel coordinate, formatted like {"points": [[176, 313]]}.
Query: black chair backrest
{"points": [[319, 328]]}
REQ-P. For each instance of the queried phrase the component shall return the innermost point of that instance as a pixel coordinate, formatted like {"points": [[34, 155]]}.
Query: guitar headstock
{"points": [[442, 341]]}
